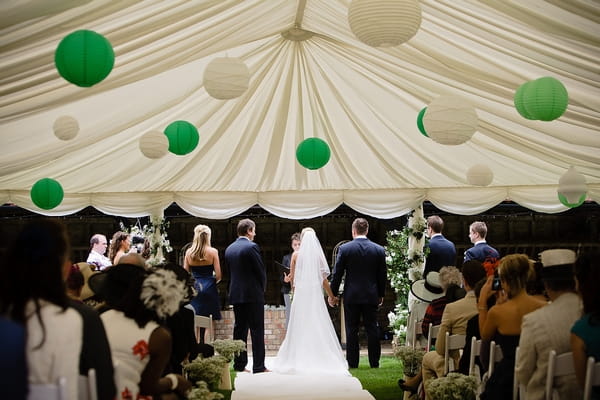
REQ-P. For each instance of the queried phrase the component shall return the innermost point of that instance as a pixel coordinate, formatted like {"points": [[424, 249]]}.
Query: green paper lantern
{"points": [[183, 137], [545, 99], [420, 122], [313, 153], [519, 102], [565, 202], [84, 58], [46, 193]]}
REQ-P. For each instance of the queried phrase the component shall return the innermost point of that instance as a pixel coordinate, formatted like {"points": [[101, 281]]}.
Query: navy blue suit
{"points": [[363, 263], [482, 252], [248, 279], [442, 253]]}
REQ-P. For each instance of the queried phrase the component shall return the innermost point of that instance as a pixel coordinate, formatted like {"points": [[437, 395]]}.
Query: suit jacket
{"points": [[482, 252], [248, 274], [454, 320], [363, 263], [545, 329], [441, 253], [286, 287]]}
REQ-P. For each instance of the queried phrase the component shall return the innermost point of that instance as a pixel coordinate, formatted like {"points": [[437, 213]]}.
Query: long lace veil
{"points": [[311, 265]]}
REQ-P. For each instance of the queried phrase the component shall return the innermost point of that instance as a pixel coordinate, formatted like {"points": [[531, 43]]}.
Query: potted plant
{"points": [[228, 349]]}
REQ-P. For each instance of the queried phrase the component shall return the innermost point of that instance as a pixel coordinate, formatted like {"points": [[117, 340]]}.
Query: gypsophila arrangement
{"points": [[411, 359], [453, 386], [206, 369], [202, 392], [398, 322], [229, 348], [156, 235]]}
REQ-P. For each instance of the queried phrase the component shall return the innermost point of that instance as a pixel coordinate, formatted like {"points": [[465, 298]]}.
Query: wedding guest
{"points": [[481, 250], [548, 328], [133, 258], [473, 332], [502, 323], [119, 245], [202, 261], [442, 252], [285, 281], [585, 333], [361, 263], [33, 294], [13, 362], [96, 257], [74, 283], [139, 302], [424, 292], [535, 284], [450, 278], [247, 294]]}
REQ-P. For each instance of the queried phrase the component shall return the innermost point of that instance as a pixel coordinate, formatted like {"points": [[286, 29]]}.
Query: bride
{"points": [[311, 345]]}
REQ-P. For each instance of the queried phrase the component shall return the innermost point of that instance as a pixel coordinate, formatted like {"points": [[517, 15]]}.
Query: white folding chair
{"points": [[592, 377], [48, 391], [519, 389], [453, 342], [475, 351], [495, 356], [432, 334], [87, 386], [201, 321], [558, 365]]}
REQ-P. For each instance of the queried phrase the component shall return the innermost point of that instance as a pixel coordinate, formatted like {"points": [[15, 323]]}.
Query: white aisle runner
{"points": [[271, 385]]}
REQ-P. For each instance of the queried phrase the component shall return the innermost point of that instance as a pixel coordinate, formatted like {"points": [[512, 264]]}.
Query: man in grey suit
{"points": [[247, 294], [363, 263]]}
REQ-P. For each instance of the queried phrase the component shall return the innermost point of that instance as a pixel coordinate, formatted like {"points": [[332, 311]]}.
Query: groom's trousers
{"points": [[353, 314]]}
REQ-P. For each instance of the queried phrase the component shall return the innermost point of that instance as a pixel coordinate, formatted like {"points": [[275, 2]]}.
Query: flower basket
{"points": [[411, 359], [452, 386]]}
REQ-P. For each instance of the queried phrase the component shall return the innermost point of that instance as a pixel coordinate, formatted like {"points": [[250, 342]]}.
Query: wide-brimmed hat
{"points": [[428, 289], [557, 263], [87, 271], [115, 281]]}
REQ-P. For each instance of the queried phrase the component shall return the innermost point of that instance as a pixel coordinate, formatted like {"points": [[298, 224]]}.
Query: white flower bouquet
{"points": [[411, 359], [453, 386], [229, 348]]}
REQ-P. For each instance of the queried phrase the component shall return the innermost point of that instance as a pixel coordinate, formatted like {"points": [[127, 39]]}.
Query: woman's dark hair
{"points": [[587, 272], [132, 305], [33, 270], [115, 244]]}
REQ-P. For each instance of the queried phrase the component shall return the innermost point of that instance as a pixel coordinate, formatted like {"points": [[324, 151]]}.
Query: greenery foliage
{"points": [[155, 233], [453, 386]]}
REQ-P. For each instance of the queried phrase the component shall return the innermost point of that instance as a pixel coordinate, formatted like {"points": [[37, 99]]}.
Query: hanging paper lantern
{"points": [[84, 58], [226, 78], [450, 120], [46, 193], [154, 144], [313, 153], [183, 137], [65, 127], [384, 23], [545, 99], [480, 175], [572, 188], [420, 121], [519, 102]]}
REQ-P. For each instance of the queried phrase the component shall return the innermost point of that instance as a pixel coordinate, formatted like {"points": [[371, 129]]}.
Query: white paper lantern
{"points": [[450, 120], [572, 185], [480, 175], [226, 78], [384, 23], [154, 144], [65, 127]]}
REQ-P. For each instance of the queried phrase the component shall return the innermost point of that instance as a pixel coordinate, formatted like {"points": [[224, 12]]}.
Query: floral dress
{"points": [[129, 349]]}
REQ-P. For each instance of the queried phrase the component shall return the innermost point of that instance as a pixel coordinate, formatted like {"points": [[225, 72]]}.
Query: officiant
{"points": [[286, 287]]}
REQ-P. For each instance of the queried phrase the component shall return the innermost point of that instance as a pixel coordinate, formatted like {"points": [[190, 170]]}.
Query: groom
{"points": [[363, 262], [247, 294]]}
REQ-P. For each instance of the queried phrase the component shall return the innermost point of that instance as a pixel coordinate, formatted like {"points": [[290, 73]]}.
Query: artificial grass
{"points": [[381, 382]]}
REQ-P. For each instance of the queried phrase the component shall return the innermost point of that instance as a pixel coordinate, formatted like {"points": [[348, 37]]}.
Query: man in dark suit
{"points": [[442, 252], [481, 250], [247, 294], [363, 263]]}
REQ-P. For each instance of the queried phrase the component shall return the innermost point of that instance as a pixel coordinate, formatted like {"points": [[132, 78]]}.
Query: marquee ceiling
{"points": [[362, 101]]}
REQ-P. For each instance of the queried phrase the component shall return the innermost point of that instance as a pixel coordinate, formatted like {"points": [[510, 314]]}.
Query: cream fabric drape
{"points": [[362, 101]]}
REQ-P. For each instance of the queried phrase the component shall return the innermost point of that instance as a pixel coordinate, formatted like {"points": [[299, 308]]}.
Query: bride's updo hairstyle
{"points": [[200, 243], [307, 229], [514, 270]]}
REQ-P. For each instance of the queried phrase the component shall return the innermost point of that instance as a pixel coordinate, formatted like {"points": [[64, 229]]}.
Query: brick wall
{"points": [[274, 328]]}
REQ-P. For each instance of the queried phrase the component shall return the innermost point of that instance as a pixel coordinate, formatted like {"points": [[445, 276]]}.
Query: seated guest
{"points": [[139, 300], [74, 283], [502, 323], [585, 333], [449, 277], [548, 328], [13, 364], [33, 294], [98, 246]]}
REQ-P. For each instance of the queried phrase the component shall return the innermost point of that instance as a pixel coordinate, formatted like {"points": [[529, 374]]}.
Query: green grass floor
{"points": [[381, 382]]}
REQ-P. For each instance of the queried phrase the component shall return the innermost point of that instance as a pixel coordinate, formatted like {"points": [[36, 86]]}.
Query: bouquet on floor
{"points": [[206, 369], [229, 348], [411, 359], [452, 386]]}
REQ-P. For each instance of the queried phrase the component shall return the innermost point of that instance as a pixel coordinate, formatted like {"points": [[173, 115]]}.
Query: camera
{"points": [[137, 243], [496, 285]]}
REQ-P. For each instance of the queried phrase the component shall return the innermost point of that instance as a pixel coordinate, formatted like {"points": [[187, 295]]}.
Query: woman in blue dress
{"points": [[202, 261]]}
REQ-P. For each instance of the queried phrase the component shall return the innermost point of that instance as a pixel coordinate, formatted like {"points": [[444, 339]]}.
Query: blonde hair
{"points": [[200, 242], [514, 269], [450, 275]]}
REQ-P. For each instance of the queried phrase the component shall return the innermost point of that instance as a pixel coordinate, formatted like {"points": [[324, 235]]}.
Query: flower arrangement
{"points": [[451, 387], [411, 359], [202, 392], [228, 348], [156, 234], [208, 369]]}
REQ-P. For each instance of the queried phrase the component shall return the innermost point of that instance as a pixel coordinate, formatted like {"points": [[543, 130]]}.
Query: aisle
{"points": [[271, 385]]}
